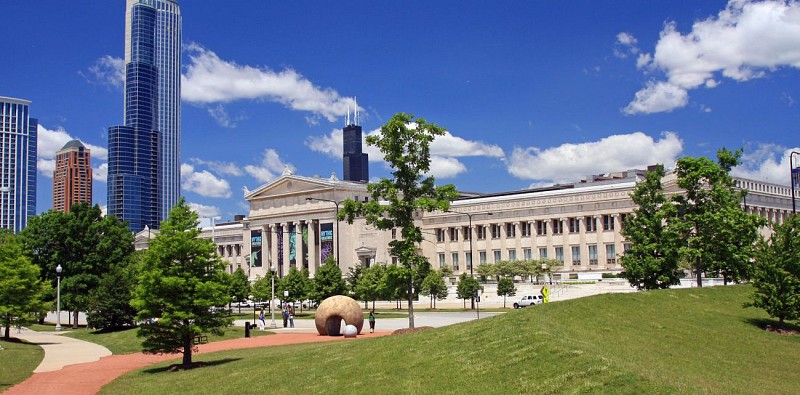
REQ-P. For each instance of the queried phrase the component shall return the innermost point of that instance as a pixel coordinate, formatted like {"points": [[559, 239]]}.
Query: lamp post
{"points": [[272, 270], [338, 263], [793, 176], [471, 247], [58, 297]]}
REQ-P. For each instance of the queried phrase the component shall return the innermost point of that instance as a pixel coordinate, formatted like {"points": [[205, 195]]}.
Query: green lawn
{"points": [[126, 342], [672, 341], [17, 361]]}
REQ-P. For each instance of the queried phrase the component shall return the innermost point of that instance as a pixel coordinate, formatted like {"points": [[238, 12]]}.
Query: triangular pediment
{"points": [[291, 185]]}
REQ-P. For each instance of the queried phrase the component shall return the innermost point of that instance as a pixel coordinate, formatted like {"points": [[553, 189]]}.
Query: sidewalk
{"points": [[61, 351]]}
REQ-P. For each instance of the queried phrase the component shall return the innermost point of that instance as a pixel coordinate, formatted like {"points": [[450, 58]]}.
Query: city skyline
{"points": [[532, 93]]}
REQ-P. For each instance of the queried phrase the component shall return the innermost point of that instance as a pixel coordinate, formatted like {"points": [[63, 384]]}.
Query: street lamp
{"points": [[793, 177], [272, 270], [338, 263], [58, 297]]}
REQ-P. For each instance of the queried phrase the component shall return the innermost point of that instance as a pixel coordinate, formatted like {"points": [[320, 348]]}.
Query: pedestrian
{"points": [[371, 322], [285, 317], [291, 317], [261, 323]]}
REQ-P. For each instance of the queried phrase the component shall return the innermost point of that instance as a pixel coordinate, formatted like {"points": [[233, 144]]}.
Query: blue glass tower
{"points": [[133, 157], [18, 147], [356, 162]]}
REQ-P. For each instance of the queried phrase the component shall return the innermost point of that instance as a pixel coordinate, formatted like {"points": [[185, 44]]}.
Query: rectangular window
{"points": [[511, 230], [467, 233], [560, 254], [591, 223], [622, 218], [495, 231], [541, 228], [497, 257], [558, 227], [526, 229], [527, 254], [608, 222], [626, 247], [394, 260], [481, 257], [440, 235], [481, 232], [574, 225], [512, 255], [611, 254], [469, 260], [453, 234], [576, 255], [394, 234], [592, 254], [543, 253], [442, 263], [455, 261]]}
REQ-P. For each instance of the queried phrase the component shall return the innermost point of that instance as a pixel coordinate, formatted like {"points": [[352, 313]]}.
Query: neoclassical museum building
{"points": [[292, 223]]}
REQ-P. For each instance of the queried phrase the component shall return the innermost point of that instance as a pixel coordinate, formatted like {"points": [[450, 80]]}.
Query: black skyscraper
{"points": [[356, 164]]}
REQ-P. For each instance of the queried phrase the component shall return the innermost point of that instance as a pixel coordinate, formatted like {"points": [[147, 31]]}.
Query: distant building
{"points": [[72, 178], [356, 162], [18, 132]]}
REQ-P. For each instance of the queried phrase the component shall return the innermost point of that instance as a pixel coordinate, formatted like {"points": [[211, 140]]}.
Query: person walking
{"points": [[371, 322], [261, 323], [291, 317], [285, 316]]}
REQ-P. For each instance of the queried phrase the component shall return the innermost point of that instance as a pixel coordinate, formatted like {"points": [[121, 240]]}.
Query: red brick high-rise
{"points": [[72, 178]]}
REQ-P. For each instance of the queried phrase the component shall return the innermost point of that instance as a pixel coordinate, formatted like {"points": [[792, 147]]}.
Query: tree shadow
{"points": [[770, 324], [195, 365]]}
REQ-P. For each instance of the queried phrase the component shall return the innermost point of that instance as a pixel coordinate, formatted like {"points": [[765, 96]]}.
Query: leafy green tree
{"points": [[434, 287], [405, 143], [328, 282], [239, 286], [652, 262], [110, 303], [776, 272], [716, 235], [21, 289], [180, 283], [549, 266], [353, 275], [467, 288], [395, 283], [370, 286], [505, 287], [297, 283]]}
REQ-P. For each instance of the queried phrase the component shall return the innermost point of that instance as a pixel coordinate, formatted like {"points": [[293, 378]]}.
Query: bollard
{"points": [[246, 329]]}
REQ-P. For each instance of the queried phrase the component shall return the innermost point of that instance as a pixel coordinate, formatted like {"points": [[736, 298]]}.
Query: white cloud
{"points": [[625, 45], [657, 97], [100, 173], [270, 168], [203, 210], [221, 116], [203, 183], [766, 162], [107, 70], [445, 167], [50, 141], [570, 162], [746, 40], [224, 168], [209, 79]]}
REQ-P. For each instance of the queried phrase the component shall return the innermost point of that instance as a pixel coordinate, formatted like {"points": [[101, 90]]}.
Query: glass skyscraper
{"points": [[144, 154], [18, 133]]}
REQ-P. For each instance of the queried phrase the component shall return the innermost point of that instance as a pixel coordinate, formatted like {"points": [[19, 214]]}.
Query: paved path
{"points": [[88, 378], [60, 350]]}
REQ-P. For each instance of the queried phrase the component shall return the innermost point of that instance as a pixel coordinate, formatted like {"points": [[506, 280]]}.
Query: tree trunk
{"points": [[187, 346], [698, 272], [504, 301], [75, 322], [7, 334], [410, 303]]}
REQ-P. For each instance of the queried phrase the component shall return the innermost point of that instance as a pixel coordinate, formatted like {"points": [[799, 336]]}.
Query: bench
{"points": [[200, 339]]}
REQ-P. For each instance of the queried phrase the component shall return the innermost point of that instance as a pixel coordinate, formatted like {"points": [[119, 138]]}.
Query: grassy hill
{"points": [[672, 341]]}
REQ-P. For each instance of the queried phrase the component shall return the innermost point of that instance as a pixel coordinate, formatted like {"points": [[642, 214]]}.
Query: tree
{"points": [[21, 290], [505, 287], [180, 283], [405, 144], [370, 285], [652, 262], [297, 283], [550, 266], [716, 235], [434, 287], [467, 288], [776, 272], [84, 243], [328, 282], [110, 304], [239, 287]]}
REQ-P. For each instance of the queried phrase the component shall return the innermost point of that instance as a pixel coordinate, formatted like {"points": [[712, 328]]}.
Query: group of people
{"points": [[288, 318]]}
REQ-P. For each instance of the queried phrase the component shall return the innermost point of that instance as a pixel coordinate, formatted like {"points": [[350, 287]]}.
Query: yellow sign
{"points": [[546, 293]]}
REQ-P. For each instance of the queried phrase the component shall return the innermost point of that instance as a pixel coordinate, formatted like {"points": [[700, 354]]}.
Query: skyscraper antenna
{"points": [[355, 104], [347, 120]]}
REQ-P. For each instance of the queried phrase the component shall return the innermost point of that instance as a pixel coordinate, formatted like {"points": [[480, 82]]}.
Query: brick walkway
{"points": [[88, 378]]}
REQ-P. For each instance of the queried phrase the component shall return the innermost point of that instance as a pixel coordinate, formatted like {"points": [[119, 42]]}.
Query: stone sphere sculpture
{"points": [[333, 310], [350, 331]]}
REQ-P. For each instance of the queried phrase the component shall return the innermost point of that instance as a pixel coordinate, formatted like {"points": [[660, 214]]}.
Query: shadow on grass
{"points": [[766, 323], [164, 369], [112, 330]]}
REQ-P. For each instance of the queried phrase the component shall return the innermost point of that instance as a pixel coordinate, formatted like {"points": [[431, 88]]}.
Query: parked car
{"points": [[244, 303], [528, 300]]}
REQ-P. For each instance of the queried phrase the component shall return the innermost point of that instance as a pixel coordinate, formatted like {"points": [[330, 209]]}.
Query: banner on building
{"points": [[304, 232], [292, 245], [279, 229], [325, 241], [796, 178], [256, 239]]}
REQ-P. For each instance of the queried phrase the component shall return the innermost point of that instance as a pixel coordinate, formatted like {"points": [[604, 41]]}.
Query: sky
{"points": [[531, 93]]}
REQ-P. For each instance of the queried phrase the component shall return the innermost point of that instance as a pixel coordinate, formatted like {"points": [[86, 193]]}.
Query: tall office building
{"points": [[18, 133], [356, 163], [72, 178], [144, 154]]}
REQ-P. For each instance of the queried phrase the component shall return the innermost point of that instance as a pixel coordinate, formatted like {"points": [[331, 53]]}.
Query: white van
{"points": [[528, 300]]}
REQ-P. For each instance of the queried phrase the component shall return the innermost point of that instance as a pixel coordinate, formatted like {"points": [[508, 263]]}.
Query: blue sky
{"points": [[531, 92]]}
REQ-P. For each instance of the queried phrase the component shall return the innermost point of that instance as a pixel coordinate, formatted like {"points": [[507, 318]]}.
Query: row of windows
{"points": [[527, 254], [556, 226], [230, 250]]}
